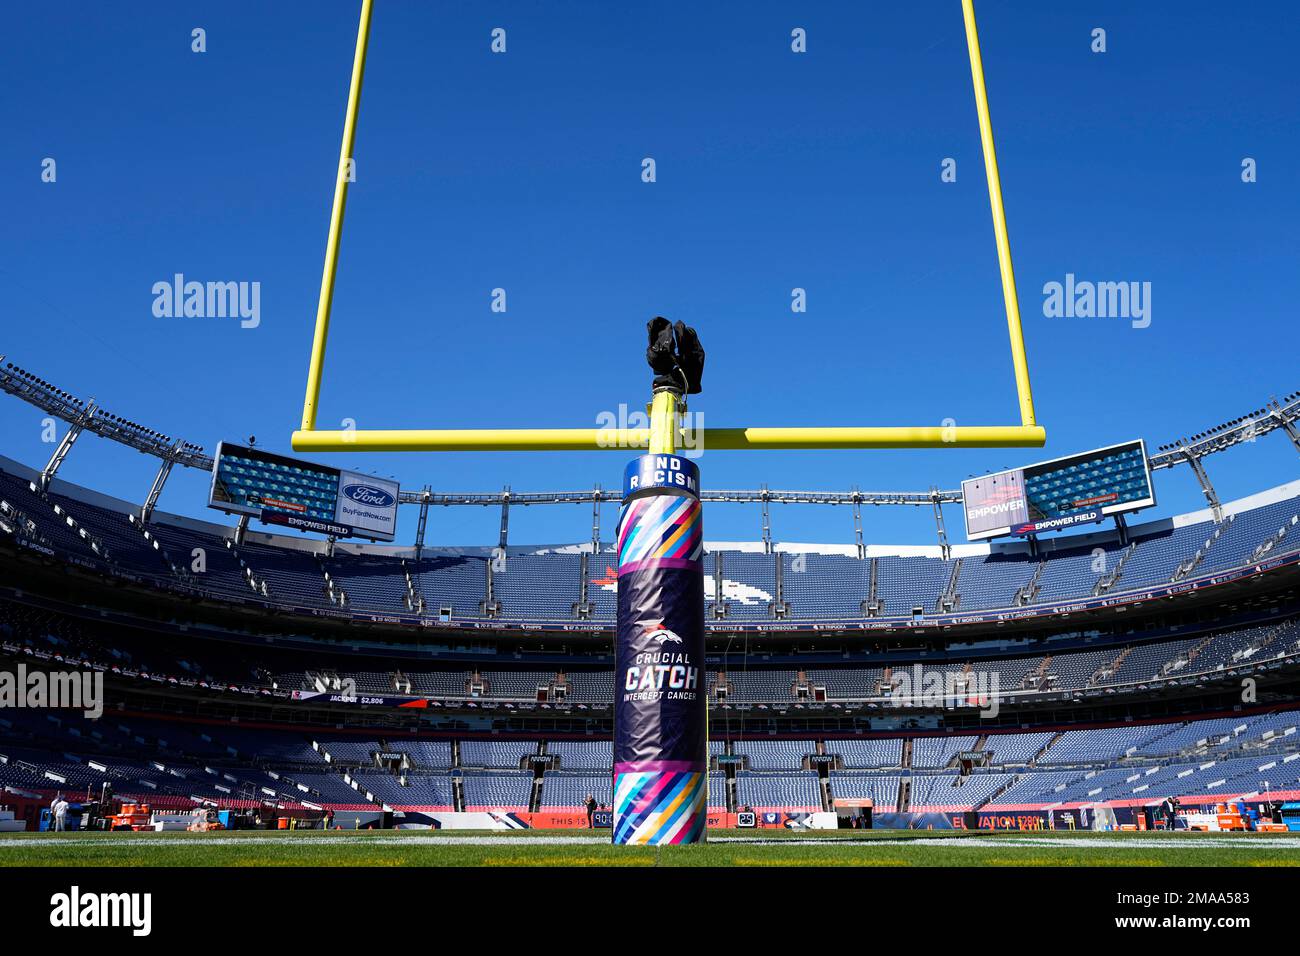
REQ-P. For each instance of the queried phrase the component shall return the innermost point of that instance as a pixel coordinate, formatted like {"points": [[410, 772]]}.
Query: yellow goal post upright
{"points": [[1024, 435]]}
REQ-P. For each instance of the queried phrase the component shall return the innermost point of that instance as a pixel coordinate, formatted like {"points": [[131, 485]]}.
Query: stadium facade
{"points": [[954, 682]]}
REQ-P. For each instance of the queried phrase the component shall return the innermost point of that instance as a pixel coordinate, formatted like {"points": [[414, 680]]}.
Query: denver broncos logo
{"points": [[664, 635]]}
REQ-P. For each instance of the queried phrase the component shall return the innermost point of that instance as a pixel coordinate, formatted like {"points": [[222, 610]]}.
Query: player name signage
{"points": [[369, 700]]}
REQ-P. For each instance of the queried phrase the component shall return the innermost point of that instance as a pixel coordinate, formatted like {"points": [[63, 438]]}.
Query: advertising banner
{"points": [[1057, 494], [368, 505], [660, 707], [1073, 819], [994, 503], [298, 494]]}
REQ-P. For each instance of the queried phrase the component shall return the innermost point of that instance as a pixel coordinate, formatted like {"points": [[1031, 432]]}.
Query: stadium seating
{"points": [[1202, 758], [798, 790], [880, 789], [414, 791], [162, 756], [1095, 746], [1008, 750], [938, 751], [544, 584], [495, 753], [953, 792], [867, 754], [498, 791], [717, 791], [569, 791], [258, 671], [773, 754], [583, 754]]}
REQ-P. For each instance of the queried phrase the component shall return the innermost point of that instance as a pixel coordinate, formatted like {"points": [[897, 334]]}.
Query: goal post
{"points": [[1027, 434]]}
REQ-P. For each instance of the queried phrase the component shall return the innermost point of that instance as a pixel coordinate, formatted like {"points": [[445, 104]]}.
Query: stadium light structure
{"points": [[1282, 414], [1027, 434], [1276, 414]]}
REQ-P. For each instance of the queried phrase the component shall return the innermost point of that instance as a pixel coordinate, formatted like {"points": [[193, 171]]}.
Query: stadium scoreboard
{"points": [[297, 494], [1057, 494]]}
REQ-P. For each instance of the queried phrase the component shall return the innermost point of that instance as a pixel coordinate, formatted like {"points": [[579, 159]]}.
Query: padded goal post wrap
{"points": [[660, 707]]}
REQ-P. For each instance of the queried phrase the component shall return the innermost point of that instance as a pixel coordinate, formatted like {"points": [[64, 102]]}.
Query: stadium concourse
{"points": [[1015, 684]]}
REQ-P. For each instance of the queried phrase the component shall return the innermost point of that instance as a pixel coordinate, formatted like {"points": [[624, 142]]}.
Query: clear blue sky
{"points": [[775, 171]]}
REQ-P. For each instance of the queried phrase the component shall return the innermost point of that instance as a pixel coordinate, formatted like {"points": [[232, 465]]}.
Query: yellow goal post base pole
{"points": [[1028, 434], [664, 427]]}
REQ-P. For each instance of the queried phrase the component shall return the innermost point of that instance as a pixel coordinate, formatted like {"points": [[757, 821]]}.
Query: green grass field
{"points": [[583, 848]]}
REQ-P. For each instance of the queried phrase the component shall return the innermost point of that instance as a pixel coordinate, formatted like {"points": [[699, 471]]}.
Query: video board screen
{"points": [[1057, 494], [297, 494]]}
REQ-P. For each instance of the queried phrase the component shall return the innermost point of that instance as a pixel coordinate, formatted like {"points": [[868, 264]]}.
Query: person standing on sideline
{"points": [[591, 811]]}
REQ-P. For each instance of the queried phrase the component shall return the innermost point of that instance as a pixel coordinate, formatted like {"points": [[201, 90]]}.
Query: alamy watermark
{"points": [[1084, 299], [614, 429], [208, 300], [64, 690], [945, 690], [75, 909]]}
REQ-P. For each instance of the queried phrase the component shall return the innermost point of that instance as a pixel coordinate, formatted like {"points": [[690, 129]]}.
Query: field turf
{"points": [[582, 848]]}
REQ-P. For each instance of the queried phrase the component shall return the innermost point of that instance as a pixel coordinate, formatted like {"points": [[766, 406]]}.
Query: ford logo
{"points": [[366, 495]]}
